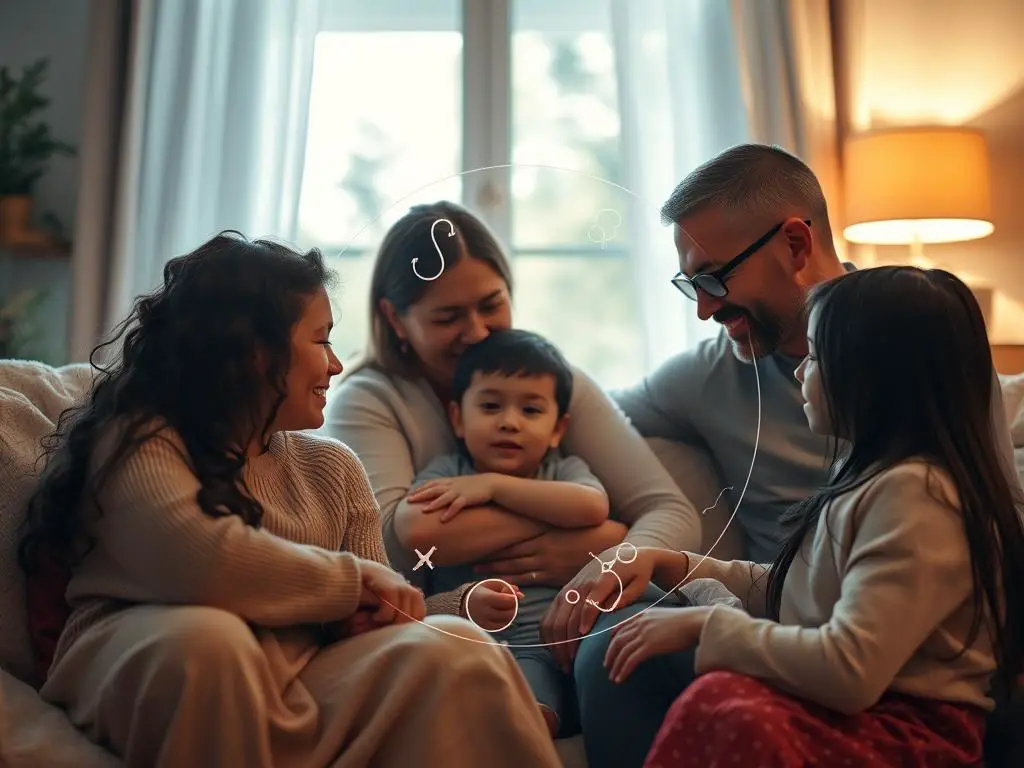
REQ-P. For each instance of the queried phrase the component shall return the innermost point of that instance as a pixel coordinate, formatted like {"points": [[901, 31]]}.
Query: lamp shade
{"points": [[926, 185]]}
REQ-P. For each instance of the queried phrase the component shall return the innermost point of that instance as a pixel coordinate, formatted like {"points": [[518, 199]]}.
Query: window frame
{"points": [[487, 28]]}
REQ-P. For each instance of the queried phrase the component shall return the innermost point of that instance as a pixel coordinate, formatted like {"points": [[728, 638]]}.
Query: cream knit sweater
{"points": [[302, 566], [880, 597]]}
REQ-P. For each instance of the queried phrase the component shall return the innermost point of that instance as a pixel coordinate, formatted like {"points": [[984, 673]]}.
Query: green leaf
{"points": [[27, 144]]}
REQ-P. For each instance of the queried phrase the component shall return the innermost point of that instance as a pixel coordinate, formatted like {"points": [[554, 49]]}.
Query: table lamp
{"points": [[912, 186]]}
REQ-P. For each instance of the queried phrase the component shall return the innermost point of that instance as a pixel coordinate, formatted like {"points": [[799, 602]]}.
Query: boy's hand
{"points": [[492, 605], [450, 495]]}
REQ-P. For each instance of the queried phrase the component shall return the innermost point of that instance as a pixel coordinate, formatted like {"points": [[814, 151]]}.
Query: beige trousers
{"points": [[193, 687]]}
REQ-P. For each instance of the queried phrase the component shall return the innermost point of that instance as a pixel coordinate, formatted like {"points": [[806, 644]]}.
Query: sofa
{"points": [[32, 396]]}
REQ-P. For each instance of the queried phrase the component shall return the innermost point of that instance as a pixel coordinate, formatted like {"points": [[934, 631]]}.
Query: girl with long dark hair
{"points": [[894, 604]]}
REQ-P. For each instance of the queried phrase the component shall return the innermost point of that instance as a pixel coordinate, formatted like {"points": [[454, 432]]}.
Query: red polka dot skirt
{"points": [[727, 719]]}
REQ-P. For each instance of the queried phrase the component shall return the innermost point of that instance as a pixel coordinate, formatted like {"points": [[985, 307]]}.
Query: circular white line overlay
{"points": [[512, 589], [572, 596]]}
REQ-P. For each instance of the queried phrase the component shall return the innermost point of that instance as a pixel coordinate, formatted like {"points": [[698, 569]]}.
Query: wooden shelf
{"points": [[48, 251]]}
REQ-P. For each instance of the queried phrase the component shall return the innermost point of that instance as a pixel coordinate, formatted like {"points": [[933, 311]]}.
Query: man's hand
{"points": [[492, 605], [450, 495], [566, 621], [394, 599]]}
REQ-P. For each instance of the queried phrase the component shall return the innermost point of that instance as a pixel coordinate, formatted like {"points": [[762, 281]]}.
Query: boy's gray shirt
{"points": [[570, 469]]}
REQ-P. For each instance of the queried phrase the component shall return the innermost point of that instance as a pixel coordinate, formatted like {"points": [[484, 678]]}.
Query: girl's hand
{"points": [[450, 495], [492, 605], [654, 632], [396, 601]]}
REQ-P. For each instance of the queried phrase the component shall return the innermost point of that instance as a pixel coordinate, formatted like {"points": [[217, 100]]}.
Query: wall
{"points": [[947, 62], [57, 29]]}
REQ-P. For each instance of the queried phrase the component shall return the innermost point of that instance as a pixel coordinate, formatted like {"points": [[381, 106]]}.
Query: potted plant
{"points": [[26, 146], [18, 328]]}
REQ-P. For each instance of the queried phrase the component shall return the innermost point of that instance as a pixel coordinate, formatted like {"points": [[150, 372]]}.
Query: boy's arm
{"points": [[471, 535], [573, 499]]}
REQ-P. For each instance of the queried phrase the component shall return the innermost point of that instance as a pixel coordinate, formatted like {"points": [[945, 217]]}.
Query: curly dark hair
{"points": [[906, 369], [199, 355]]}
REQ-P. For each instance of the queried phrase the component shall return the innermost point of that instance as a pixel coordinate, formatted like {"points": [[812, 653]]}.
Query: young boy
{"points": [[509, 408]]}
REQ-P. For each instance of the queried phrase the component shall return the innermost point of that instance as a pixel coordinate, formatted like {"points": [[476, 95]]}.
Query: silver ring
{"points": [[533, 575]]}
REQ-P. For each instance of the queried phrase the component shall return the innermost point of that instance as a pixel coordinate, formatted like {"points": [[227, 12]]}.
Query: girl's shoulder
{"points": [[915, 484], [916, 472]]}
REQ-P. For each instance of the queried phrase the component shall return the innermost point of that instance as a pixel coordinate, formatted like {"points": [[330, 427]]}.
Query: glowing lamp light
{"points": [[915, 186]]}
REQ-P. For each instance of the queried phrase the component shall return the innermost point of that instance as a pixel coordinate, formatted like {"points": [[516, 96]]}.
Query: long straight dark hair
{"points": [[907, 373]]}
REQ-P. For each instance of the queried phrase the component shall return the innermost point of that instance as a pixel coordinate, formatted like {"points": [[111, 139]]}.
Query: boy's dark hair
{"points": [[515, 353]]}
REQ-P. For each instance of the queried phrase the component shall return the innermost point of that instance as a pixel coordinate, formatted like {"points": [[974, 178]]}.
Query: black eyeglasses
{"points": [[713, 283]]}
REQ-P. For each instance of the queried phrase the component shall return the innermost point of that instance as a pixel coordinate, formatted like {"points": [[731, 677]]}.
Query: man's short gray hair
{"points": [[749, 180]]}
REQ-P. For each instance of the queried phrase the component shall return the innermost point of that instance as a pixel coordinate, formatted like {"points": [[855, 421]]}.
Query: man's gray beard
{"points": [[767, 337], [758, 336]]}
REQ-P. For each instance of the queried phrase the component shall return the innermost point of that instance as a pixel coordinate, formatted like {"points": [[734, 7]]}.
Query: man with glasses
{"points": [[752, 232]]}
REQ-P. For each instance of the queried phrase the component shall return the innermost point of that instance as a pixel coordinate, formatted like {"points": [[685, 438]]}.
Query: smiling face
{"points": [[468, 301], [764, 306], [313, 364], [509, 422], [808, 373]]}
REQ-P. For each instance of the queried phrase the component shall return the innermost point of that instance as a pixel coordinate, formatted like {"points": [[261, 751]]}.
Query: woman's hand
{"points": [[492, 605], [553, 557], [613, 580], [450, 495], [654, 632], [396, 601], [358, 623]]}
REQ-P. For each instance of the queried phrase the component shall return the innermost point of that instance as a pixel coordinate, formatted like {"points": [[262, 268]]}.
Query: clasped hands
{"points": [[386, 598]]}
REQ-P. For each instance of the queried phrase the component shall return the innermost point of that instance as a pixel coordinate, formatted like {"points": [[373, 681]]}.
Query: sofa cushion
{"points": [[34, 733], [699, 478], [32, 397]]}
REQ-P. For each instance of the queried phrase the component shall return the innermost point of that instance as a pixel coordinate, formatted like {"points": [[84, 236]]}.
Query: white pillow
{"points": [[1013, 402], [32, 397], [698, 477], [34, 733]]}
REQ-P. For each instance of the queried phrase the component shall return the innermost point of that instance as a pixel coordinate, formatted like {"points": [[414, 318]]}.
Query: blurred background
{"points": [[563, 123]]}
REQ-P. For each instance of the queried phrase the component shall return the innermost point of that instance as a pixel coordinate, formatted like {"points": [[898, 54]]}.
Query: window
{"points": [[385, 118], [408, 94]]}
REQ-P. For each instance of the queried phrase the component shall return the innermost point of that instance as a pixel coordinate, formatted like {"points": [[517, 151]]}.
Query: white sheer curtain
{"points": [[224, 131], [696, 77], [681, 102], [785, 57]]}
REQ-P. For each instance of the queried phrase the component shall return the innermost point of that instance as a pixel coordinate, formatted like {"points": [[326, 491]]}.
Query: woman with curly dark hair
{"points": [[231, 600]]}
